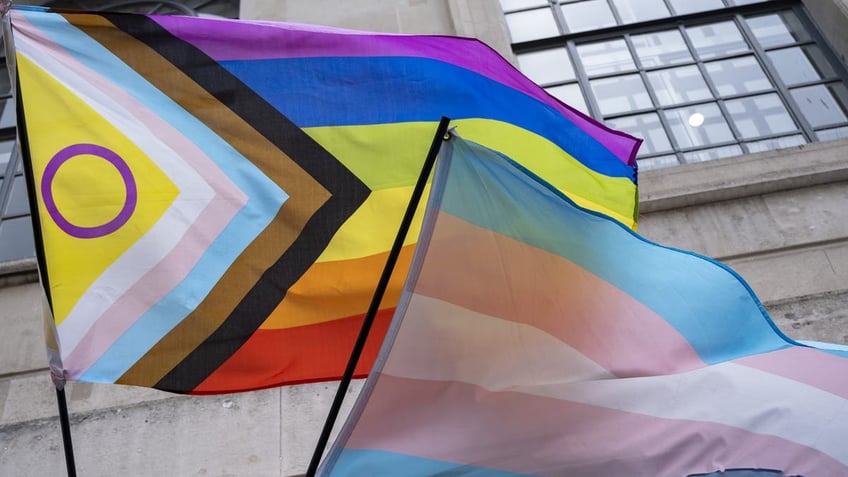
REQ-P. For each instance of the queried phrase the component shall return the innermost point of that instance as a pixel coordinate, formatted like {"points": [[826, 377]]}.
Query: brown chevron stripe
{"points": [[306, 196]]}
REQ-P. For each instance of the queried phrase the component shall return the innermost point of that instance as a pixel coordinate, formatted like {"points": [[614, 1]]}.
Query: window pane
{"points": [[5, 84], [16, 237], [621, 94], [518, 4], [7, 117], [661, 48], [776, 143], [699, 125], [571, 95], [679, 85], [777, 29], [658, 162], [17, 204], [690, 6], [823, 104], [546, 66], [591, 15], [605, 57], [832, 134], [712, 154], [631, 11], [737, 76], [647, 127], [531, 25], [5, 155], [717, 39], [757, 116], [801, 64]]}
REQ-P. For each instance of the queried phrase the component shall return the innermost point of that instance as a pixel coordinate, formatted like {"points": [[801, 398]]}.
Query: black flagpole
{"points": [[378, 297], [58, 381]]}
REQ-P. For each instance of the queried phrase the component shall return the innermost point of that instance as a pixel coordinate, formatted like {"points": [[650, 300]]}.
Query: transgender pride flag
{"points": [[537, 338]]}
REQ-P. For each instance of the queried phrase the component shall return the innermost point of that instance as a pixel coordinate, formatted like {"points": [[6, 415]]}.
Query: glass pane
{"points": [[823, 104], [5, 84], [801, 64], [716, 39], [776, 143], [679, 85], [757, 116], [5, 155], [531, 25], [16, 240], [699, 125], [591, 15], [546, 66], [744, 2], [658, 162], [777, 29], [17, 204], [571, 95], [690, 6], [647, 127], [737, 76], [605, 57], [519, 4], [631, 11], [7, 117], [661, 48], [832, 134], [620, 94], [712, 154]]}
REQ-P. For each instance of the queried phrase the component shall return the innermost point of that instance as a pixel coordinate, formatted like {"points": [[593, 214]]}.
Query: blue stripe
{"points": [[266, 198], [315, 92], [370, 463], [708, 303]]}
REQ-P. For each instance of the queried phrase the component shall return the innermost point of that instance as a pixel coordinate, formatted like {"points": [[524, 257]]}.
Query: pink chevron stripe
{"points": [[168, 272], [542, 289], [302, 41], [806, 365], [466, 424]]}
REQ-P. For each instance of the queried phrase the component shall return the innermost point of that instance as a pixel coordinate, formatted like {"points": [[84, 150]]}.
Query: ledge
{"points": [[18, 272]]}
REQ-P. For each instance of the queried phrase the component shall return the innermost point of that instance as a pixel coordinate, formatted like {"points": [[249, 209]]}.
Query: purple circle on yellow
{"points": [[50, 203]]}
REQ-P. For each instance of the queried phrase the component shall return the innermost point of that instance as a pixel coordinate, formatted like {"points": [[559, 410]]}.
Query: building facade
{"points": [[743, 106]]}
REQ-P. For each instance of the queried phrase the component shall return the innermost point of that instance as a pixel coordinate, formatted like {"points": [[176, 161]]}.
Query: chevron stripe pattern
{"points": [[217, 198]]}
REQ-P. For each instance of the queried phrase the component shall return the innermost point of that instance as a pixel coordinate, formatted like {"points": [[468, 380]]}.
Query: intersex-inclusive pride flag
{"points": [[217, 198], [534, 337]]}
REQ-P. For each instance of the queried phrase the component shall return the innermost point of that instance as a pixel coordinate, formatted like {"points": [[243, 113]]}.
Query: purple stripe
{"points": [[263, 40]]}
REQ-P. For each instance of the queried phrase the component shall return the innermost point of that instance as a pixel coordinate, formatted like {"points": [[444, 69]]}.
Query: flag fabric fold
{"points": [[535, 337], [216, 198]]}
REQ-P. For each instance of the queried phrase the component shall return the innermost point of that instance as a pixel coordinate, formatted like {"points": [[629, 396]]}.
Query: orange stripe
{"points": [[298, 355], [330, 290]]}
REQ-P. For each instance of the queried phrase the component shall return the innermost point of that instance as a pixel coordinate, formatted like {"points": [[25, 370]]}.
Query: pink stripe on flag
{"points": [[536, 287], [268, 40], [806, 365], [510, 431]]}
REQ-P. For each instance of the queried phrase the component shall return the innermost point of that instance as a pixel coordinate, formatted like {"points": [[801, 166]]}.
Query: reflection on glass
{"points": [[661, 48], [531, 25], [682, 7], [658, 162], [590, 15], [620, 94], [738, 75], [17, 203], [631, 11], [16, 237], [823, 104], [777, 29], [801, 64], [679, 85], [832, 134], [716, 39], [519, 4], [712, 154], [546, 66], [714, 128], [763, 115], [571, 95], [776, 143], [605, 57], [644, 126]]}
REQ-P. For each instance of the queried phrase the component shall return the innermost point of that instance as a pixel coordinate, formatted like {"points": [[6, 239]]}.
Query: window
{"points": [[696, 79]]}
